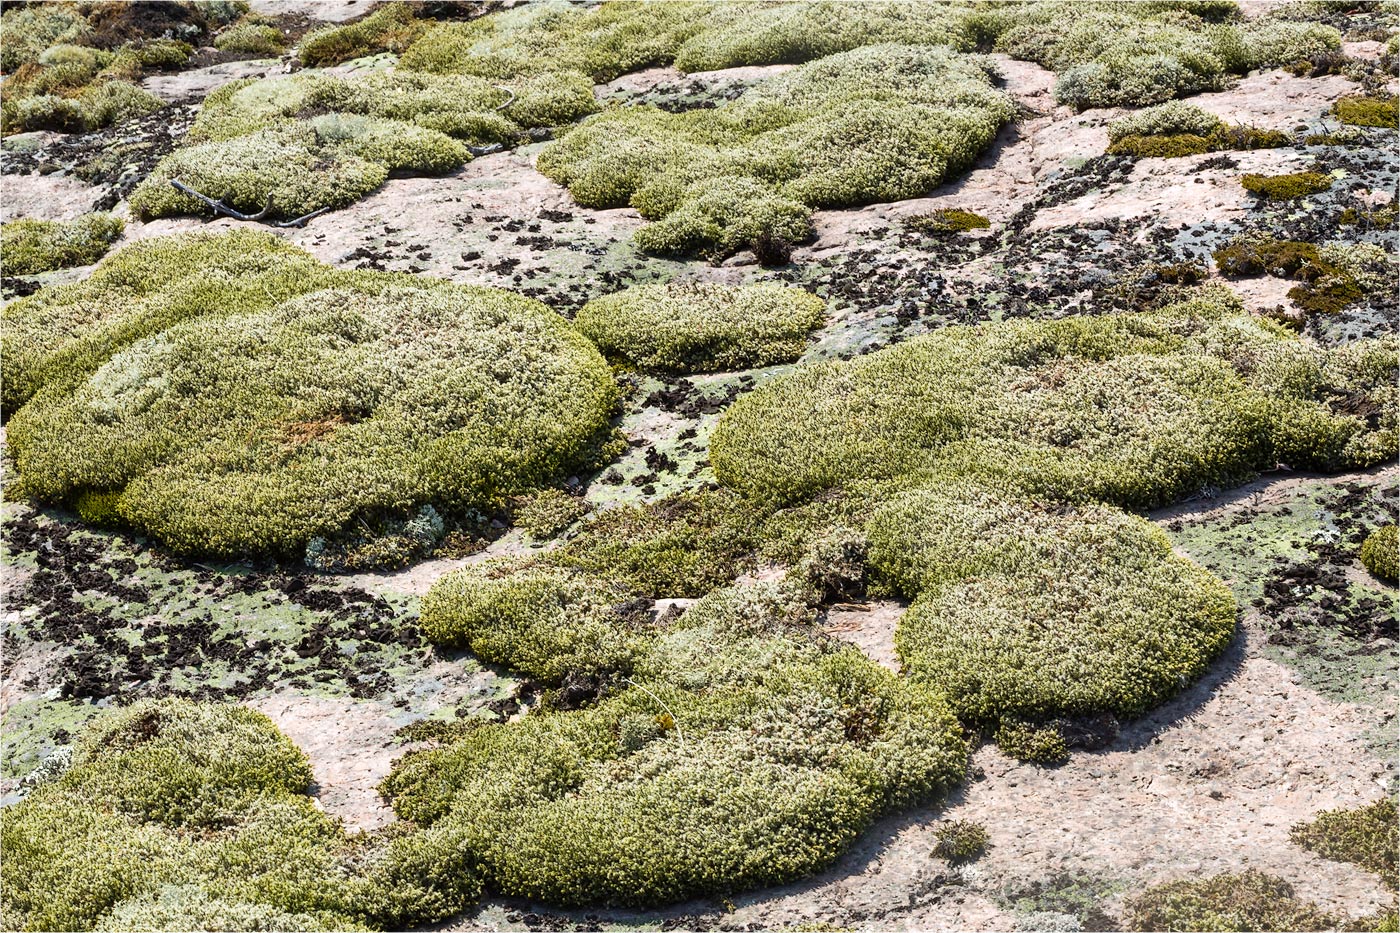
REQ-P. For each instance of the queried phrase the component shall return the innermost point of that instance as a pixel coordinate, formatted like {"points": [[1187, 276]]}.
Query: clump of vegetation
{"points": [[960, 840], [1024, 613], [1140, 54], [1176, 129], [548, 512], [164, 797], [548, 624], [1380, 553], [698, 327], [71, 67], [242, 397], [1366, 836], [1368, 111], [948, 220], [252, 37], [742, 751], [254, 145], [30, 246], [1286, 187], [1250, 900], [1040, 745], [684, 545], [876, 124], [1379, 218], [1134, 410], [1330, 277], [390, 28]]}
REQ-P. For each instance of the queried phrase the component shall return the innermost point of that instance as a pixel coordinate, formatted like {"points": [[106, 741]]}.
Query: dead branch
{"points": [[221, 208]]}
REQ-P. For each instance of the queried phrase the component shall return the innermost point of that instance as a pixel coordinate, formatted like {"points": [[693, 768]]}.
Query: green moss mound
{"points": [[230, 427], [1251, 900], [1135, 410], [1028, 612], [1177, 129], [697, 327], [743, 751], [313, 141], [1368, 111], [879, 123], [177, 815], [1380, 553], [1120, 54], [948, 220], [253, 38], [1286, 187], [1365, 836], [391, 28], [1169, 119], [1330, 277], [29, 247]]}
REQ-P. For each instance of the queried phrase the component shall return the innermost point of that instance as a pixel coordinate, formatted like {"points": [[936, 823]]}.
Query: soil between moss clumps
{"points": [[228, 394]]}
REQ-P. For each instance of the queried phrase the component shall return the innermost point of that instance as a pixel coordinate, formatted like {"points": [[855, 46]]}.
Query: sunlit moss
{"points": [[28, 246]]}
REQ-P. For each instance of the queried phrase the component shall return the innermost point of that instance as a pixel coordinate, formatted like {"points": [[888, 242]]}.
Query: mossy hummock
{"points": [[31, 247], [240, 397]]}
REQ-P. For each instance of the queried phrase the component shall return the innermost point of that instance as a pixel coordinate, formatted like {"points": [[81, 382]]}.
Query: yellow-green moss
{"points": [[242, 397], [390, 28], [1379, 553], [253, 38], [1367, 111], [948, 220], [1368, 836], [29, 247], [1286, 187], [1248, 901], [698, 327]]}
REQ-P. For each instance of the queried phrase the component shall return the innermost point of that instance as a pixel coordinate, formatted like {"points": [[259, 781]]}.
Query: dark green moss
{"points": [[1251, 900], [1041, 745], [1367, 111], [948, 220], [1380, 218], [960, 840], [1366, 836], [1286, 187], [1176, 145], [1181, 273], [1378, 555]]}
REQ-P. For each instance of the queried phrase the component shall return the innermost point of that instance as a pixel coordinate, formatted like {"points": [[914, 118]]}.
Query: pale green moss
{"points": [[683, 328], [256, 426], [391, 28], [28, 247], [253, 38]]}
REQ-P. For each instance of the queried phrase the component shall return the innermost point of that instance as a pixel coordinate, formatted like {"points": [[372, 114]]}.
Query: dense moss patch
{"points": [[697, 327], [1368, 111], [1366, 836], [1177, 129], [1135, 54], [1028, 612], [250, 399], [313, 141], [29, 247], [1331, 277], [742, 751], [1251, 900], [1380, 553], [876, 124], [391, 28], [251, 36], [1286, 187], [1136, 410], [948, 220], [177, 813]]}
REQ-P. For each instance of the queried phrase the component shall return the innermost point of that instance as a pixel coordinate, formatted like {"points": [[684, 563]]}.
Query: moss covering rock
{"points": [[1368, 836], [252, 37], [230, 426], [1135, 410], [29, 247], [390, 28], [879, 123], [743, 751], [178, 815], [1368, 111], [1286, 187], [1241, 902], [1380, 553], [696, 327]]}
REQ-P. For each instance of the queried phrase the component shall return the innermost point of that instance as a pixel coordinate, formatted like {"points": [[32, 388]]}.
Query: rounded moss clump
{"points": [[29, 247], [1027, 613], [960, 840], [1379, 553], [549, 512], [1135, 409], [1251, 900], [696, 327], [548, 624], [259, 429], [1286, 187], [1366, 836], [251, 38], [1368, 111], [390, 28], [878, 123], [182, 816], [1170, 119], [948, 220], [1043, 746], [746, 751]]}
